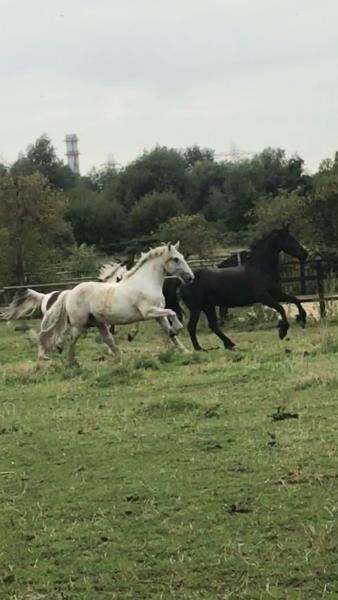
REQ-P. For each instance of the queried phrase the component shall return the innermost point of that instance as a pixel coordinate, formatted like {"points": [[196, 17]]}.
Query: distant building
{"points": [[72, 152]]}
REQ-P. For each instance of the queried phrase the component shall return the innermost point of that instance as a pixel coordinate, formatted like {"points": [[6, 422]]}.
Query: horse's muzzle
{"points": [[187, 278]]}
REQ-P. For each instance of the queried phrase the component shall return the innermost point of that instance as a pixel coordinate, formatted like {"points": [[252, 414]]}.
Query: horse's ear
{"points": [[129, 263], [169, 246], [177, 245]]}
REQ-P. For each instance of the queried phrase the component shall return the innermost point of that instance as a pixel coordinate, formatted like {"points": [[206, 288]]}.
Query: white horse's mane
{"points": [[107, 270], [145, 256]]}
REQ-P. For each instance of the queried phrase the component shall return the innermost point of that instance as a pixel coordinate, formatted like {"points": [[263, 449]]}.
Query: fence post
{"points": [[320, 287]]}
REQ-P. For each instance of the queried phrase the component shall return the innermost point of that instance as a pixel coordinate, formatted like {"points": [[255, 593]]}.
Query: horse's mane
{"points": [[145, 256], [108, 270], [257, 243]]}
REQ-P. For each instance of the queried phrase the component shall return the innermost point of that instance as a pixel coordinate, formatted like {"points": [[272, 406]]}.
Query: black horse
{"points": [[171, 285], [255, 281], [232, 261]]}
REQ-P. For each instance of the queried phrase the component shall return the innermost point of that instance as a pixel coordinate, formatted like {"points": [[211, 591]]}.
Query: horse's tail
{"points": [[23, 304], [55, 323]]}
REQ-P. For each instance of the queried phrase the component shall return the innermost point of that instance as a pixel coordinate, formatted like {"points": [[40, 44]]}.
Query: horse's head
{"points": [[175, 264], [286, 242]]}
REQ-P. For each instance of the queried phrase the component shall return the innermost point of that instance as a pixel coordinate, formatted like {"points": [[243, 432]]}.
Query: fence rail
{"points": [[312, 281]]}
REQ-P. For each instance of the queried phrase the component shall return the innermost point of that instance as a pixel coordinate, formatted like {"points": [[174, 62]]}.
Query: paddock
{"points": [[167, 476]]}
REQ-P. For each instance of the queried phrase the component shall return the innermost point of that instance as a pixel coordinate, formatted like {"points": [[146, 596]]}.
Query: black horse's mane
{"points": [[257, 243]]}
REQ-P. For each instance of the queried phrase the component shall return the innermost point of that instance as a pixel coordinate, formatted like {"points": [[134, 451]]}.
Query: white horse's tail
{"points": [[55, 323], [23, 304]]}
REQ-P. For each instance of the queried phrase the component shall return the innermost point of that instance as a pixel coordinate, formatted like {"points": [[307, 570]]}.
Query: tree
{"points": [[41, 157], [5, 262], [195, 154], [95, 220], [202, 178], [322, 211], [313, 216], [3, 170], [99, 180], [160, 170], [272, 172], [82, 260], [32, 222], [152, 210], [195, 234], [270, 213], [239, 194]]}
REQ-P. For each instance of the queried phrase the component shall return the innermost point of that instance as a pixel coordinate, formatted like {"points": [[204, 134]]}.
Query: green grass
{"points": [[166, 475]]}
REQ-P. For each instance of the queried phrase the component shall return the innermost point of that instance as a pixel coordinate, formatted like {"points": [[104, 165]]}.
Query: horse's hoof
{"points": [[301, 321], [282, 329], [130, 337], [282, 333], [229, 345]]}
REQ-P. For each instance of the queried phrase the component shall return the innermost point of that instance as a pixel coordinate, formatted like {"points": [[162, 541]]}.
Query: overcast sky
{"points": [[126, 75]]}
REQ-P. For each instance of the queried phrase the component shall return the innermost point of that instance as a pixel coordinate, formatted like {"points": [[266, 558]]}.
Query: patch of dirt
{"points": [[281, 415]]}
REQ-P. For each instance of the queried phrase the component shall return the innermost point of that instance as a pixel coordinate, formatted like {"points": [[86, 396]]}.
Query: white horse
{"points": [[26, 303], [137, 297], [114, 271]]}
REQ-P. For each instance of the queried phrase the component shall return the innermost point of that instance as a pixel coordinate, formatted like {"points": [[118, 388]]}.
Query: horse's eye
{"points": [[176, 259]]}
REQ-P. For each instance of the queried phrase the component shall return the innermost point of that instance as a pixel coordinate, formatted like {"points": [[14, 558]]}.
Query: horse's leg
{"points": [[176, 324], [164, 323], [291, 299], [192, 325], [42, 352], [210, 312], [107, 338], [223, 313], [74, 334], [179, 313], [283, 325], [133, 332], [156, 312]]}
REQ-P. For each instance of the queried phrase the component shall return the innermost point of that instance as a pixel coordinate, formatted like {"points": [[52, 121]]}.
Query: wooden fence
{"points": [[312, 281]]}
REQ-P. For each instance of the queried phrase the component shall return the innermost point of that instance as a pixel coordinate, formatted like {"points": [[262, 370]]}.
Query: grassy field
{"points": [[199, 476]]}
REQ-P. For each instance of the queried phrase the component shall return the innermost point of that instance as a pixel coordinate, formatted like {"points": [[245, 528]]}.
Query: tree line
{"points": [[49, 215]]}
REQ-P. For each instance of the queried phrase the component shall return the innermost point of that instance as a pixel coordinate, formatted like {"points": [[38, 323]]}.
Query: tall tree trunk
{"points": [[19, 265]]}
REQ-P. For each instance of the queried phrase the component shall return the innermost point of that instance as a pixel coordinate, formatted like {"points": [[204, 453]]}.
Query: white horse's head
{"points": [[175, 264]]}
